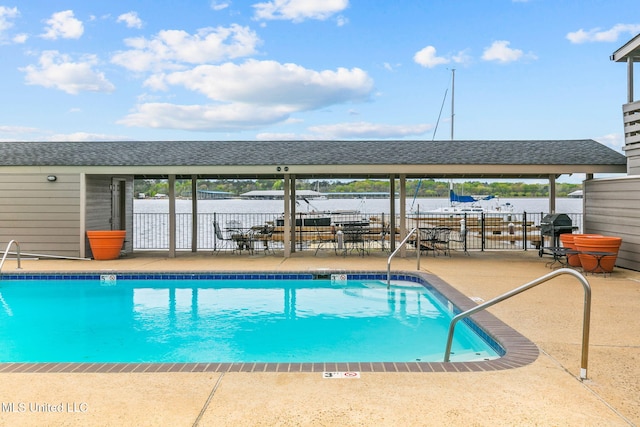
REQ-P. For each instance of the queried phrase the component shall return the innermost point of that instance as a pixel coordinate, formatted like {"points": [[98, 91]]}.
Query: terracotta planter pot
{"points": [[568, 241], [106, 244], [598, 244]]}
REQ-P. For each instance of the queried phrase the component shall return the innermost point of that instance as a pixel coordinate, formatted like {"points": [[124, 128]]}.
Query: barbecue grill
{"points": [[553, 225]]}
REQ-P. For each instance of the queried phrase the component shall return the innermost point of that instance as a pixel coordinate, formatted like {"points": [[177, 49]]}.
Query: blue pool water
{"points": [[196, 319]]}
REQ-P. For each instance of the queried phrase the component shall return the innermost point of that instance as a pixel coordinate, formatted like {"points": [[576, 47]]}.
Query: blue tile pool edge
{"points": [[515, 349]]}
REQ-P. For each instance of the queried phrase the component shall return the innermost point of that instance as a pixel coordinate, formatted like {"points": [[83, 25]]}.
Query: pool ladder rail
{"points": [[400, 246], [516, 291], [6, 252]]}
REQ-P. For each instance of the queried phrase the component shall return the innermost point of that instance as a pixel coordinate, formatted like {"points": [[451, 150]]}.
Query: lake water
{"points": [[529, 205]]}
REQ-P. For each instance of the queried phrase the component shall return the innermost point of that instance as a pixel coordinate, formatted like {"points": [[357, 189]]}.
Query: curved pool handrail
{"points": [[538, 281], [6, 252], [413, 230]]}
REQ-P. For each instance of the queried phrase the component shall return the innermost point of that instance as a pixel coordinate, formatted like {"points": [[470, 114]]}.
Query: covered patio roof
{"points": [[526, 159], [630, 50]]}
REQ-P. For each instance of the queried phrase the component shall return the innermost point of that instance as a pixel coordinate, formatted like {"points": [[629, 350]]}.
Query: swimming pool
{"points": [[229, 318]]}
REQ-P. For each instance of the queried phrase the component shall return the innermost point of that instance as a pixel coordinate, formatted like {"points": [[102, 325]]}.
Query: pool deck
{"points": [[545, 392]]}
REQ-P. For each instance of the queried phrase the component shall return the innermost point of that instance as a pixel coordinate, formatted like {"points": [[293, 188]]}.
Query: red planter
{"points": [[598, 244], [568, 241], [106, 244]]}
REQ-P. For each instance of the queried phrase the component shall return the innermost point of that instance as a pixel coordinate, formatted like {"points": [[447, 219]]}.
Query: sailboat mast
{"points": [[453, 83]]}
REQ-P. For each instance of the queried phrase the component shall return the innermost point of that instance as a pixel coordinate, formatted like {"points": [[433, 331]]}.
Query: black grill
{"points": [[553, 225]]}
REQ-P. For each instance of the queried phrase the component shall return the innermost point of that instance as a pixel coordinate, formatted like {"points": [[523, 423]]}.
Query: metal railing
{"points": [[484, 231], [549, 276], [6, 252], [400, 246]]}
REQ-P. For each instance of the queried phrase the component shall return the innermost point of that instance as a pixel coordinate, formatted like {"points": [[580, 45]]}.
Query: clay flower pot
{"points": [[598, 244], [568, 241], [106, 244]]}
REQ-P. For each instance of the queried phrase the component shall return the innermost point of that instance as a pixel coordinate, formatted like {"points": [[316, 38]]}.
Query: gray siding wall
{"points": [[42, 216], [612, 208], [633, 159]]}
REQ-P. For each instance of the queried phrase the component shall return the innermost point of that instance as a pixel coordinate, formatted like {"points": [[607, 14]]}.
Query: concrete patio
{"points": [[546, 392]]}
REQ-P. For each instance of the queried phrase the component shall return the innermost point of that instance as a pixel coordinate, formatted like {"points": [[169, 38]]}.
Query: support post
{"points": [[552, 194], [194, 213], [392, 213], [629, 79], [172, 216], [403, 213], [286, 241], [292, 202]]}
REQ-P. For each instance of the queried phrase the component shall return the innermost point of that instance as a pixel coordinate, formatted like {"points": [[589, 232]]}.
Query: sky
{"points": [[313, 69]]}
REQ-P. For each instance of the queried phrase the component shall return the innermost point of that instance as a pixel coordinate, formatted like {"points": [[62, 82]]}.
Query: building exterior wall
{"points": [[42, 216], [633, 159], [611, 208]]}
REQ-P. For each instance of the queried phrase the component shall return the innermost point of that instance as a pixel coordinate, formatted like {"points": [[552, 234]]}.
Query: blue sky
{"points": [[313, 69]]}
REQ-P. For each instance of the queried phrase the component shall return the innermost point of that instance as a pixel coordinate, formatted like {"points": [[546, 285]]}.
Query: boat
{"points": [[327, 218], [315, 217], [464, 204]]}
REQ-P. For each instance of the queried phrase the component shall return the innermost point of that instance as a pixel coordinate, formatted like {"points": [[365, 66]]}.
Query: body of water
{"points": [[529, 205]]}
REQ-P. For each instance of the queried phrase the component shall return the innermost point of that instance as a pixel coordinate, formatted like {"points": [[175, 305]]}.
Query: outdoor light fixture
{"points": [[52, 178]]}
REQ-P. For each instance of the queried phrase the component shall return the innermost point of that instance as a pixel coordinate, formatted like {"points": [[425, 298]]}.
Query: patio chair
{"points": [[323, 235], [264, 234], [460, 237], [441, 240], [427, 240], [354, 239], [219, 241]]}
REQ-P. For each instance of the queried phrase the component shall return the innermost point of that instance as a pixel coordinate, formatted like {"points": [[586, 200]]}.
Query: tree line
{"points": [[424, 188]]}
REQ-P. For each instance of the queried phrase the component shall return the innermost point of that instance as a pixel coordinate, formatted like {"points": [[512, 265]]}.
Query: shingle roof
{"points": [[161, 153], [577, 153]]}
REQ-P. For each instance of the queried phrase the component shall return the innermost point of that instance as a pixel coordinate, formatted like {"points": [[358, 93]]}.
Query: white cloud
{"points": [[170, 49], [462, 57], [249, 96], [6, 14], [271, 83], [63, 25], [341, 20], [598, 35], [368, 130], [16, 130], [87, 136], [20, 38], [427, 57], [219, 5], [211, 118], [58, 71], [130, 19], [501, 52], [276, 136], [299, 10]]}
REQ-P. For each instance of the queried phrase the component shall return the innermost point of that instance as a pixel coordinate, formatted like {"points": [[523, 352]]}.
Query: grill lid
{"points": [[554, 224], [556, 220]]}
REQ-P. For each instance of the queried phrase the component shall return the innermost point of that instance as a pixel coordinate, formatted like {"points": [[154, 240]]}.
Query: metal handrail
{"points": [[540, 280], [413, 230], [6, 252]]}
